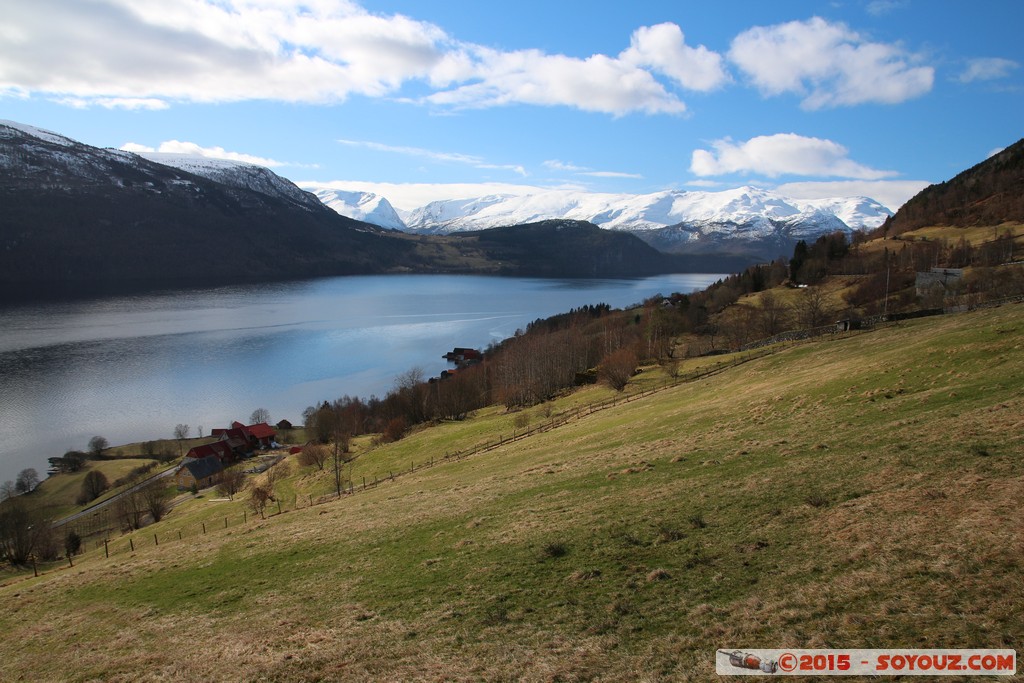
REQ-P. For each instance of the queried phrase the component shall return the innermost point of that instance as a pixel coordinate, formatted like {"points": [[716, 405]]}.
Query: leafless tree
{"points": [[774, 314], [155, 500], [27, 481], [258, 499], [259, 415], [314, 454], [18, 531], [231, 482], [180, 433], [812, 308], [93, 486], [7, 490], [129, 509], [617, 367], [97, 445]]}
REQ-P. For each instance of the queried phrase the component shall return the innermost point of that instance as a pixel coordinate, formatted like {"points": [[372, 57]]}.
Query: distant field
{"points": [[861, 492], [59, 492]]}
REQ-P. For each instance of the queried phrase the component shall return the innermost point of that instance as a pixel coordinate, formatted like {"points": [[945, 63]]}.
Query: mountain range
{"points": [[743, 221], [74, 213]]}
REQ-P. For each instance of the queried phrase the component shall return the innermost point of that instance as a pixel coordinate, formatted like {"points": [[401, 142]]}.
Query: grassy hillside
{"points": [[858, 492]]}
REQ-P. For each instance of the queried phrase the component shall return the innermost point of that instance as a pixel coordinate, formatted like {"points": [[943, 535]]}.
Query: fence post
{"points": [[156, 541], [131, 542], [245, 516], [278, 506], [364, 483], [179, 534], [204, 528], [106, 548], [225, 522]]}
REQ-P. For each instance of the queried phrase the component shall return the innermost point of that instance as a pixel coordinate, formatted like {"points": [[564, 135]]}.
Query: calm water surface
{"points": [[131, 368]]}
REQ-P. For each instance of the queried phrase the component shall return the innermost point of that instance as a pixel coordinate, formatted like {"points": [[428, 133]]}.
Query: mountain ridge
{"points": [[989, 193]]}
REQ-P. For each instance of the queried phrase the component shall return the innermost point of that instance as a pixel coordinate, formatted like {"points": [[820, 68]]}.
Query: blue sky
{"points": [[429, 100]]}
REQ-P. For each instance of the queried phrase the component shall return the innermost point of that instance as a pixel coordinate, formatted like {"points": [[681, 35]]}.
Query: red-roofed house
{"points": [[220, 449], [245, 438]]}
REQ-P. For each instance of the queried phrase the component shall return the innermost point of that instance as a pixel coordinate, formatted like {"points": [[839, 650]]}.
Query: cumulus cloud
{"points": [[781, 154], [194, 150], [205, 51], [663, 48], [598, 83], [987, 69], [828, 64], [321, 51]]}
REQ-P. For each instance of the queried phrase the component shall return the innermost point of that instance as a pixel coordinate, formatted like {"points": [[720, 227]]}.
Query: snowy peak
{"points": [[362, 206], [744, 206], [236, 174]]}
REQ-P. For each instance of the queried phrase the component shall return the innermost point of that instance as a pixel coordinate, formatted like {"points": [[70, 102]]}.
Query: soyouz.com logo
{"points": [[878, 662]]}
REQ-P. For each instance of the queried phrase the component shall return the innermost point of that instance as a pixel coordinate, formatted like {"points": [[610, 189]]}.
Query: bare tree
{"points": [[259, 415], [258, 499], [16, 532], [314, 454], [27, 481], [129, 509], [617, 367], [812, 308], [7, 490], [774, 313], [93, 486], [180, 433], [156, 500], [97, 445], [231, 482]]}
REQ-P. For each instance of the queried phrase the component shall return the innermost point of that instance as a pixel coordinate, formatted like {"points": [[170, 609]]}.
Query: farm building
{"points": [[199, 472]]}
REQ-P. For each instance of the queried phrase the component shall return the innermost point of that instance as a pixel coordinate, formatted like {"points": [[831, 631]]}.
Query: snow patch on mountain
{"points": [[760, 210], [362, 206], [236, 174]]}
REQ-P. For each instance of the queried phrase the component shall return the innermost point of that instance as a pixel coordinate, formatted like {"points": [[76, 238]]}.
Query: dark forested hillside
{"points": [[562, 248], [989, 193], [80, 218]]}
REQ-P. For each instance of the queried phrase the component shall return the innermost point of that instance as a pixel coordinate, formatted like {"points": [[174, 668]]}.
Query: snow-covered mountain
{"points": [[634, 213], [237, 174], [742, 220], [362, 206]]}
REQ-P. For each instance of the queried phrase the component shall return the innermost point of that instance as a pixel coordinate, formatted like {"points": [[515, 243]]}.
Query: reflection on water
{"points": [[130, 368]]}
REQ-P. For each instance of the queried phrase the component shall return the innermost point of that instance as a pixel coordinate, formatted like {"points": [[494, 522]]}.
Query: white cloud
{"points": [[781, 154], [663, 47], [987, 69], [194, 150], [891, 193], [447, 157], [598, 83], [130, 103], [828, 64], [556, 165], [207, 51], [125, 53], [613, 174], [879, 8]]}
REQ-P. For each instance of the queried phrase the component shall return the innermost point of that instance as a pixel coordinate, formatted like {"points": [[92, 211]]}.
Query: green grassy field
{"points": [[859, 492]]}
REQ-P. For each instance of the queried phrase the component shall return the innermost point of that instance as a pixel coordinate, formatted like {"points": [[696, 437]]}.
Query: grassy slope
{"points": [[863, 492]]}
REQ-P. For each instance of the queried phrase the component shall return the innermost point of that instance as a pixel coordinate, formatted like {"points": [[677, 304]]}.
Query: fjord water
{"points": [[131, 368]]}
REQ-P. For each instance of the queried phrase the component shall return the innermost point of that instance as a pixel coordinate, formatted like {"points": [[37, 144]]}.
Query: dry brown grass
{"points": [[529, 563]]}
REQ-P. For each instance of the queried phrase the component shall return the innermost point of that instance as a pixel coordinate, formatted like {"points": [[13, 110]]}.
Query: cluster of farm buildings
{"points": [[204, 465]]}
